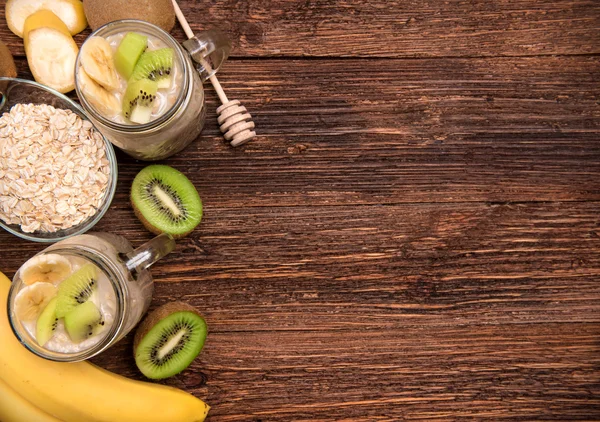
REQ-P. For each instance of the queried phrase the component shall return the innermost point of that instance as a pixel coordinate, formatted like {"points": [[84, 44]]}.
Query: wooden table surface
{"points": [[414, 235]]}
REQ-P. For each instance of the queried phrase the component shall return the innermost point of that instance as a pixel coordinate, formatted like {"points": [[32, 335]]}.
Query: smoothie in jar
{"points": [[130, 78], [79, 296]]}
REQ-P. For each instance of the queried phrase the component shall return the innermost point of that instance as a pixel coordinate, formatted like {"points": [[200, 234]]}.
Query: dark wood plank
{"points": [[481, 372], [393, 28], [436, 264], [384, 312], [406, 131], [408, 239]]}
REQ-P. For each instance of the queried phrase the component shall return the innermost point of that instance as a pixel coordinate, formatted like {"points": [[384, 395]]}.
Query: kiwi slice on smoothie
{"points": [[129, 52], [138, 100], [81, 322], [166, 201], [169, 340], [76, 289], [46, 323], [156, 65]]}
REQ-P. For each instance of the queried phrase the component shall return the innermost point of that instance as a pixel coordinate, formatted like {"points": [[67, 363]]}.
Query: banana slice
{"points": [[96, 58], [51, 56], [32, 300], [102, 100], [69, 11], [43, 19], [47, 268]]}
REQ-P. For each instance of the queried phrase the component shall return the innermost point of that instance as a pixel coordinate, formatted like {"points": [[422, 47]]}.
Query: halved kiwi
{"points": [[46, 323], [76, 289], [169, 340], [166, 201], [81, 321], [156, 65]]}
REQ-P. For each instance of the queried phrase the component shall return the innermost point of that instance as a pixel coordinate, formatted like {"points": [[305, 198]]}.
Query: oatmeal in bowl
{"points": [[57, 172]]}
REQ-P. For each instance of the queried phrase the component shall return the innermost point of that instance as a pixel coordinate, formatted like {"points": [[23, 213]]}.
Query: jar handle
{"points": [[150, 252], [209, 50]]}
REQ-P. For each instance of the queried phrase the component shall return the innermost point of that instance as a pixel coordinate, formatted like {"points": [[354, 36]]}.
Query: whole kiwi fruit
{"points": [[7, 64], [158, 12]]}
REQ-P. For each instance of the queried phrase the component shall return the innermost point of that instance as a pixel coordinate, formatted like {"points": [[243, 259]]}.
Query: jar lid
{"points": [[209, 50]]}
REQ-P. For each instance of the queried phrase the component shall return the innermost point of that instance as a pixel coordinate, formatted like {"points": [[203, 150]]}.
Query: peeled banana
{"points": [[14, 408], [82, 392]]}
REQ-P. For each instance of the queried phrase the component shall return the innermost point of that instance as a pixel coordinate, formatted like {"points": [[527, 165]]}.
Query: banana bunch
{"points": [[33, 389]]}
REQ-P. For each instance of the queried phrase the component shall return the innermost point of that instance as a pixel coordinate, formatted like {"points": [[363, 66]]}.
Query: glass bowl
{"points": [[14, 91]]}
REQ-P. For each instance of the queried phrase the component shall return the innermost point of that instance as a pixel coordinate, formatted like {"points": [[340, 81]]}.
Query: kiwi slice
{"points": [[169, 340], [166, 201], [138, 99], [76, 289], [81, 321], [155, 65], [46, 323], [129, 51]]}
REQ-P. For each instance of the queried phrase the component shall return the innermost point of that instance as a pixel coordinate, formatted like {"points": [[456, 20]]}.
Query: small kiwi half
{"points": [[76, 289], [166, 201], [169, 340]]}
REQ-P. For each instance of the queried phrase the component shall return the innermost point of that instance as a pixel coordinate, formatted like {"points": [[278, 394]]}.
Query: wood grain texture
{"points": [[393, 28], [415, 233]]}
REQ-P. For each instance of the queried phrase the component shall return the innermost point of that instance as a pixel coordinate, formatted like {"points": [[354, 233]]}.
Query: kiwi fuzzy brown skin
{"points": [[157, 12], [157, 315], [7, 63]]}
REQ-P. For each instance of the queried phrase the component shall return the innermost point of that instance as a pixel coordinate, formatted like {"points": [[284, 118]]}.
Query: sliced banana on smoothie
{"points": [[96, 58], [102, 100], [32, 300], [46, 268], [69, 11]]}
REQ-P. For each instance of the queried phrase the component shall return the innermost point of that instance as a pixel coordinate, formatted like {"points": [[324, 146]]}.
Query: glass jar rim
{"points": [[181, 55], [119, 289]]}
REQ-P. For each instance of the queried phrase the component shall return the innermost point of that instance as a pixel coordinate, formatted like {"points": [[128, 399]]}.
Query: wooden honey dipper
{"points": [[235, 122]]}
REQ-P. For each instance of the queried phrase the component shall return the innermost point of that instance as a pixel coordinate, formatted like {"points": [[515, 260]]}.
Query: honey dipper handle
{"points": [[190, 34]]}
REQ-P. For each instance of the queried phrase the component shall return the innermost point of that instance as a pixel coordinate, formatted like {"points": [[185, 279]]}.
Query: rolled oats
{"points": [[53, 168]]}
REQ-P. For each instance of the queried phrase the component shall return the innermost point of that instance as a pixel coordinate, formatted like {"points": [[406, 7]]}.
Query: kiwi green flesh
{"points": [[138, 100], [129, 52], [76, 289], [166, 201], [81, 321], [46, 323], [156, 65], [166, 344]]}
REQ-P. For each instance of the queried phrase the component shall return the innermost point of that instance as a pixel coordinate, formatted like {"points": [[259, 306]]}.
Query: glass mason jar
{"points": [[184, 120], [123, 291]]}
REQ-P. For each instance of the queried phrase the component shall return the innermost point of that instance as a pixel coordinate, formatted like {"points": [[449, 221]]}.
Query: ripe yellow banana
{"points": [[82, 392], [14, 408]]}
